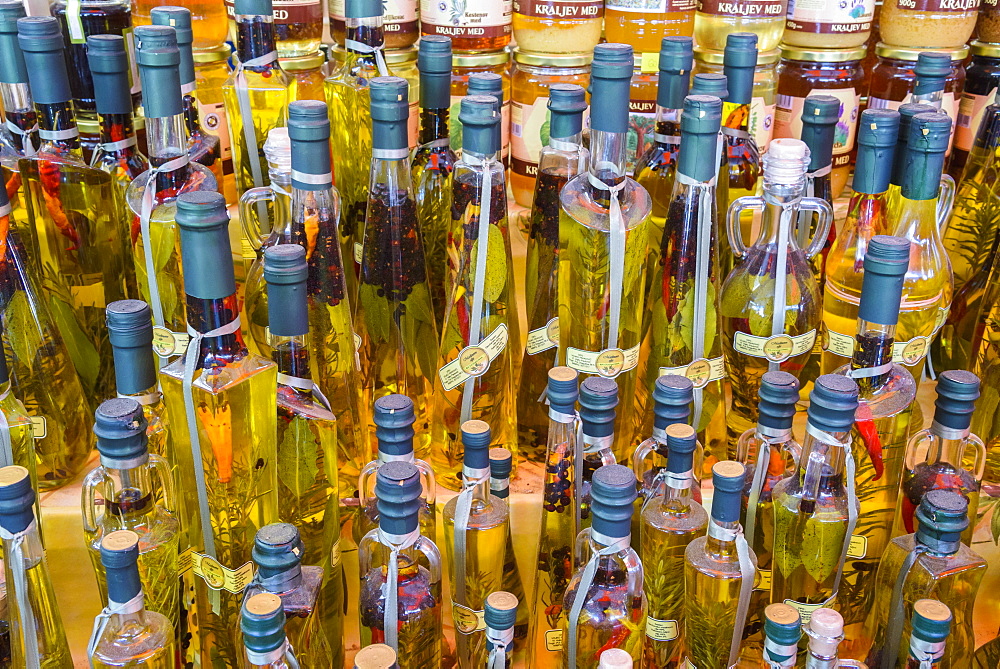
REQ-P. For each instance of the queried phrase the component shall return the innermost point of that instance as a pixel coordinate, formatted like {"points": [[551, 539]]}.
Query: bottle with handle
{"points": [[500, 467]]}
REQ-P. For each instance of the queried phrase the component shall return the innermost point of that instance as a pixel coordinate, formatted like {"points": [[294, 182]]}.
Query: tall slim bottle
{"points": [[221, 399], [475, 372], [476, 524], [400, 602], [770, 304], [716, 85], [598, 403], [602, 246], [152, 197], [562, 159], [37, 635], [671, 520], [932, 563], [501, 463], [782, 631], [906, 113], [265, 644], [719, 574], [683, 337], [878, 130], [126, 633], [394, 314], [605, 601], [500, 615], [820, 115], [76, 240], [19, 135]]}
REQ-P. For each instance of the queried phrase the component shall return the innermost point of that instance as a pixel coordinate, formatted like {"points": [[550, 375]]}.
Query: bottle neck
{"points": [[873, 351], [778, 200], [677, 492], [117, 128], [817, 661], [477, 159], [668, 125], [58, 121], [571, 143], [20, 113], [821, 467], [820, 187], [946, 450], [291, 355], [192, 119], [720, 543], [254, 36], [433, 125], [607, 156], [206, 315], [367, 31], [166, 140], [131, 495]]}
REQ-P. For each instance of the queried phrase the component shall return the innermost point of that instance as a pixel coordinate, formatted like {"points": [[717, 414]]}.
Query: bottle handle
{"points": [[979, 468], [642, 452], [88, 500], [824, 212], [946, 200], [251, 226], [753, 202], [160, 469]]}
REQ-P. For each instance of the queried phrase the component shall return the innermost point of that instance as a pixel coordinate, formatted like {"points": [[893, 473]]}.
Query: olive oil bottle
{"points": [[782, 631], [262, 624], [500, 468]]}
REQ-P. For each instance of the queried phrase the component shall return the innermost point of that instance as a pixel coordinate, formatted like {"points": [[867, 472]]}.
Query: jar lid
{"points": [[884, 50], [984, 49], [823, 55], [392, 56], [718, 57], [552, 59], [213, 55], [480, 58], [310, 61]]}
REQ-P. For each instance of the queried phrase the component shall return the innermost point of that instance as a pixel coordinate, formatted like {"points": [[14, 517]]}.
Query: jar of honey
{"points": [[400, 23], [715, 19], [465, 65], [934, 24], [982, 77], [483, 25], [531, 78], [764, 87], [308, 73], [645, 24], [208, 20], [558, 26], [829, 24], [988, 23], [298, 26]]}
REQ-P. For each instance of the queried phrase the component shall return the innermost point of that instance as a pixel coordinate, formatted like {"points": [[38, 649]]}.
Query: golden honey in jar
{"points": [[308, 73], [532, 76], [930, 24], [298, 25], [482, 25], [211, 69], [836, 72], [644, 23], [558, 26], [715, 19], [464, 65], [208, 19], [764, 87], [828, 24], [400, 22], [988, 23]]}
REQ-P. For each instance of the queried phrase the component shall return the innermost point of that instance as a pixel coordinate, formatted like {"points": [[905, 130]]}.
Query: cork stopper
{"points": [[941, 518], [786, 161], [728, 479], [476, 437], [878, 132], [778, 393], [376, 656], [563, 389], [263, 623], [782, 625], [398, 490], [17, 499], [501, 463], [119, 557], [931, 620], [681, 443]]}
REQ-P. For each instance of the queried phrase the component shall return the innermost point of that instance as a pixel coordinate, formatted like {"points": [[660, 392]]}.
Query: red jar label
{"points": [[743, 8], [560, 9], [957, 6], [482, 19], [824, 16]]}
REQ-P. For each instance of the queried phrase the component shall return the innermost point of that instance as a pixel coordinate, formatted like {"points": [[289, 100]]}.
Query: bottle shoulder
{"points": [[667, 522], [578, 202], [892, 397]]}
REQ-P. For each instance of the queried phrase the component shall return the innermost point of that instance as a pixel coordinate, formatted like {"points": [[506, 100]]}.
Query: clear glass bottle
{"points": [[932, 563], [18, 445], [19, 135], [671, 520], [476, 524], [782, 631], [37, 634], [497, 86], [499, 617], [432, 165], [602, 246], [127, 633], [221, 398], [770, 304], [152, 197], [605, 601], [501, 463], [475, 371], [265, 644], [599, 398], [133, 489], [682, 338], [906, 113], [719, 574], [820, 115], [931, 626], [824, 631], [562, 159], [400, 602]]}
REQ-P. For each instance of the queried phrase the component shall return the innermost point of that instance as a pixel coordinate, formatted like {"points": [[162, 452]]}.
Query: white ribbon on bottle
{"points": [[773, 649], [145, 399], [747, 574], [14, 556], [390, 615], [611, 545], [54, 135], [780, 302], [249, 129], [868, 372], [767, 437], [104, 617], [27, 146], [6, 449], [283, 652], [390, 154], [577, 448], [145, 213], [325, 179], [500, 641], [302, 383], [471, 479], [926, 652], [616, 250], [111, 147], [894, 626], [361, 47]]}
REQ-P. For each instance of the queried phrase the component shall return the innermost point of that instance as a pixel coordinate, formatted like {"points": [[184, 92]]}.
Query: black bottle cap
{"points": [[832, 403], [286, 271], [130, 332], [878, 132], [820, 114], [12, 68], [682, 440], [957, 392], [612, 493], [263, 623], [277, 548], [739, 61], [941, 518], [706, 83], [728, 478], [567, 102], [672, 397], [700, 123], [476, 438], [931, 71], [363, 9], [610, 79], [17, 499], [398, 490], [500, 610], [390, 110], [120, 559], [159, 59], [434, 63], [480, 118], [109, 70], [501, 463], [120, 428], [563, 389], [886, 261], [598, 399], [778, 393], [205, 252], [253, 8], [178, 18], [41, 42], [393, 418], [676, 61], [931, 620]]}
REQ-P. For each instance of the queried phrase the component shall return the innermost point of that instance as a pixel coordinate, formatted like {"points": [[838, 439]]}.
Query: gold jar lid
{"points": [[907, 53], [984, 49], [215, 55], [311, 61], [480, 58], [823, 55], [552, 59], [717, 57], [392, 56]]}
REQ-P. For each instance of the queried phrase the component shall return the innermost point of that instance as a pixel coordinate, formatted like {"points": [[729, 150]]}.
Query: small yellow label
{"points": [[778, 348], [359, 252], [219, 577], [554, 640], [764, 580], [543, 338], [858, 548], [473, 361], [91, 295], [805, 610], [910, 352], [838, 343], [608, 363], [650, 62], [467, 620], [39, 428], [167, 343], [661, 630], [701, 372]]}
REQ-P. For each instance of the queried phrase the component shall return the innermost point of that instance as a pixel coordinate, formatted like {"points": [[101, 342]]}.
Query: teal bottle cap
{"points": [[434, 63], [832, 403], [612, 492], [598, 399], [672, 397], [941, 518], [821, 110], [501, 463], [253, 8], [563, 389], [390, 110], [931, 70], [878, 133], [41, 42], [701, 120], [739, 61], [156, 46], [886, 261], [476, 437], [906, 114], [286, 272], [706, 83], [957, 392], [12, 68], [120, 558], [931, 620], [17, 499], [486, 83], [702, 115], [109, 69], [888, 255], [500, 611], [879, 127], [130, 332], [929, 133], [263, 623], [728, 478], [178, 18], [610, 78], [480, 118], [205, 252], [277, 548], [676, 60], [285, 264], [398, 490], [40, 33], [566, 105], [363, 9], [120, 428], [820, 114], [309, 132], [393, 418], [159, 60], [778, 393], [783, 626]]}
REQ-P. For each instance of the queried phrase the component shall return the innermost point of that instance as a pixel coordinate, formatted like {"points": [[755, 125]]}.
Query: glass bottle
{"points": [[820, 115], [499, 87], [134, 490], [349, 101], [265, 644], [605, 601], [931, 625], [598, 401], [716, 85], [602, 246], [715, 20], [559, 161], [782, 631], [221, 399], [824, 631], [17, 445], [37, 635], [279, 554], [152, 197], [683, 336], [19, 135], [257, 94], [394, 314], [560, 522], [816, 509], [499, 616], [946, 456], [400, 602], [671, 520], [376, 656], [475, 377], [501, 463], [906, 113], [476, 525], [432, 165], [866, 217], [770, 303], [118, 153], [719, 574], [932, 563], [770, 453], [394, 416], [127, 632], [75, 237]]}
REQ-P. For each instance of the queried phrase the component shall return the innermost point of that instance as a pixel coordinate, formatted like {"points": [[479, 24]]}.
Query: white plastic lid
{"points": [[615, 658], [278, 150], [786, 161], [826, 628]]}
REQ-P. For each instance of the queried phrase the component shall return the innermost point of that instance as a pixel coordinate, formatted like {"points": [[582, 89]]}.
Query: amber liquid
{"points": [[645, 30], [208, 19]]}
